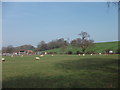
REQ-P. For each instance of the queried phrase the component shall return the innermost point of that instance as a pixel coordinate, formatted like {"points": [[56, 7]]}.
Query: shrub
{"points": [[78, 52], [69, 52]]}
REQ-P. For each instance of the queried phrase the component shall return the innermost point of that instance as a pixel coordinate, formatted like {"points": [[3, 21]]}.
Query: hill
{"points": [[98, 48]]}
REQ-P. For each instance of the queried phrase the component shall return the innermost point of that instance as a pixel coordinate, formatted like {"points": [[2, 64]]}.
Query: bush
{"points": [[78, 52], [69, 52]]}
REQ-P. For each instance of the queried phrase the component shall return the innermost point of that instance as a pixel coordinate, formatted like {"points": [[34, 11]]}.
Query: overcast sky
{"points": [[32, 22]]}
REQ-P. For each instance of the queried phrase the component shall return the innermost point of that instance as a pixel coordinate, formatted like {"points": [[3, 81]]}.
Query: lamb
{"points": [[37, 58]]}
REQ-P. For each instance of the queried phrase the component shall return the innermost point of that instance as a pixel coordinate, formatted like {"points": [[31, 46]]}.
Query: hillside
{"points": [[98, 48]]}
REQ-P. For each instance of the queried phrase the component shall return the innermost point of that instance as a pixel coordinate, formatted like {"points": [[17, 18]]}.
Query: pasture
{"points": [[60, 71]]}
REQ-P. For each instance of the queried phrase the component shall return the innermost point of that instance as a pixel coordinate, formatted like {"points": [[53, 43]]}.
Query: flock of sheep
{"points": [[38, 58]]}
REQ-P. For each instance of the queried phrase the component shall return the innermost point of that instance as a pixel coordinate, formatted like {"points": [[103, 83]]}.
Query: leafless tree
{"points": [[42, 46], [8, 49], [83, 42]]}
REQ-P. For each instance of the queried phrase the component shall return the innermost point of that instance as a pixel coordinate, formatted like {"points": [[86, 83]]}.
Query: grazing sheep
{"points": [[42, 55], [99, 53], [21, 55], [83, 54], [52, 54], [45, 53], [91, 54], [37, 58], [3, 59], [110, 52], [79, 54]]}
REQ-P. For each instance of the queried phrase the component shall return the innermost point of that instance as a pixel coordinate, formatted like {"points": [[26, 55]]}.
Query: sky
{"points": [[32, 22]]}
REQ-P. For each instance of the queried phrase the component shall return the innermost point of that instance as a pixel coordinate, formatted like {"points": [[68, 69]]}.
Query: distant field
{"points": [[61, 71], [98, 48]]}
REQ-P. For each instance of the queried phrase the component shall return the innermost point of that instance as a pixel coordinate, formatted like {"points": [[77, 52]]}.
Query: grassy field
{"points": [[61, 71]]}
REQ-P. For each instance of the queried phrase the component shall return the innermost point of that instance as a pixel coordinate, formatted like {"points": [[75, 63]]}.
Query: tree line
{"points": [[82, 42]]}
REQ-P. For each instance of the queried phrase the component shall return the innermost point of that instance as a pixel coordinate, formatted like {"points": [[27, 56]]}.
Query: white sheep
{"points": [[99, 53], [45, 53], [21, 55], [91, 54], [3, 59], [52, 54], [79, 54], [42, 55], [83, 54], [37, 58], [110, 52]]}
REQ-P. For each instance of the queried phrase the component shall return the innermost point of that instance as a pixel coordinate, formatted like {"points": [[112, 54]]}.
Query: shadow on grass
{"points": [[106, 64], [67, 81], [80, 79], [48, 82]]}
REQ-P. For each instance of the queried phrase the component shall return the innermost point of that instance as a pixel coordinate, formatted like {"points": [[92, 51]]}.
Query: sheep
{"points": [[83, 54], [79, 54], [42, 55], [99, 53], [45, 53], [21, 55], [3, 59], [52, 54], [110, 52], [91, 54], [37, 58]]}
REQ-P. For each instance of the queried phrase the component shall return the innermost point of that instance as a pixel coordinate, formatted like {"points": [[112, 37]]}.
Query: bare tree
{"points": [[83, 42], [42, 46], [84, 35], [8, 49]]}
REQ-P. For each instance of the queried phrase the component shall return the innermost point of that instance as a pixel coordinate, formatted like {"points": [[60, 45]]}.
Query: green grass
{"points": [[99, 48], [61, 71]]}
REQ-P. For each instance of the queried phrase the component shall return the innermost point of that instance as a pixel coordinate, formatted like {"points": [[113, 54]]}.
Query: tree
{"points": [[73, 42], [42, 46], [8, 49], [84, 35], [83, 42], [58, 43]]}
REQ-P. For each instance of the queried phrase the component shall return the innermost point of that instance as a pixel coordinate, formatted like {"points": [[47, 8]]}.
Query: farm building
{"points": [[23, 51]]}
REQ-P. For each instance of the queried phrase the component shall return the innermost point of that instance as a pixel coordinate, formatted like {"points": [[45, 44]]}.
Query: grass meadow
{"points": [[60, 71]]}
